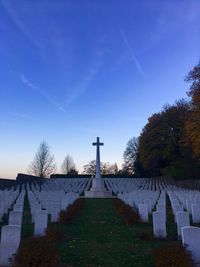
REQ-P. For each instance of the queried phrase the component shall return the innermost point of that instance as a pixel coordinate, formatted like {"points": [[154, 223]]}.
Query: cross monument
{"points": [[98, 163], [98, 189]]}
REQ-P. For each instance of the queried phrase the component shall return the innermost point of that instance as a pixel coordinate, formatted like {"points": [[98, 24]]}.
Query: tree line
{"points": [[43, 164], [169, 143]]}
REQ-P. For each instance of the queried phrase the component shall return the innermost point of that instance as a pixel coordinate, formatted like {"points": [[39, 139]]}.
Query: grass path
{"points": [[99, 237]]}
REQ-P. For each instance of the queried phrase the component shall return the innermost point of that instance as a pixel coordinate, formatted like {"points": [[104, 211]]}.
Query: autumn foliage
{"points": [[192, 126], [36, 252], [173, 255], [130, 216], [67, 216], [169, 143]]}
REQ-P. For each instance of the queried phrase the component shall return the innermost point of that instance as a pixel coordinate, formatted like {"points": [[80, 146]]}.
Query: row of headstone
{"points": [[127, 185], [183, 203], [7, 198], [76, 185], [11, 233]]}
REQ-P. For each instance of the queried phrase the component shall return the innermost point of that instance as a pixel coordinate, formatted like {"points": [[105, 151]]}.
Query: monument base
{"points": [[98, 194], [98, 189]]}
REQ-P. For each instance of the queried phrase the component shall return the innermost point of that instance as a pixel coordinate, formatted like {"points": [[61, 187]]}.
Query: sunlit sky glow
{"points": [[74, 70]]}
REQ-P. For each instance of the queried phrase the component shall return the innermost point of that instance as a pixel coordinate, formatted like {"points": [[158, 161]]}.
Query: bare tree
{"points": [[113, 168], [130, 155], [43, 163], [90, 168], [106, 168], [68, 165]]}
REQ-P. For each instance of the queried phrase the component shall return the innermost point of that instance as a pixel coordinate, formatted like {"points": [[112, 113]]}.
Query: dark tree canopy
{"points": [[161, 149], [192, 127], [43, 163]]}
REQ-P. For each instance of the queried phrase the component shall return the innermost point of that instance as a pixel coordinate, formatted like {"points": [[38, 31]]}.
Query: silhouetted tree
{"points": [[68, 165], [192, 126], [43, 163], [72, 172], [130, 156], [161, 148]]}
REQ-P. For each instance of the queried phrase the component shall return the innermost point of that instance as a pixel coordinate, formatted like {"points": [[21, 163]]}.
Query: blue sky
{"points": [[74, 70]]}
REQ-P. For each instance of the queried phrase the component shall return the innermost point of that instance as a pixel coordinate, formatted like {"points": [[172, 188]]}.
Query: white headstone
{"points": [[41, 219], [162, 208], [195, 213], [189, 206], [15, 218], [143, 211], [191, 238], [159, 225], [183, 220], [176, 209], [10, 239]]}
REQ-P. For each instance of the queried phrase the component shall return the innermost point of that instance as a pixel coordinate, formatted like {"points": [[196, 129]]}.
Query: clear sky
{"points": [[74, 70]]}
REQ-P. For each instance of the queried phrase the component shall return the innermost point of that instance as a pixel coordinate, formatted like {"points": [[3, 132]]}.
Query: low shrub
{"points": [[53, 234], [67, 216], [146, 236], [36, 252], [130, 215], [173, 256]]}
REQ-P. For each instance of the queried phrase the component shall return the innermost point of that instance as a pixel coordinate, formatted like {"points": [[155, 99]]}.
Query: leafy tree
{"points": [[43, 163], [68, 165], [192, 126], [160, 148], [130, 155]]}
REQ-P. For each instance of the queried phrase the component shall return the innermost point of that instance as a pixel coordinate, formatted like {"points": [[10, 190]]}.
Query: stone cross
{"points": [[98, 169]]}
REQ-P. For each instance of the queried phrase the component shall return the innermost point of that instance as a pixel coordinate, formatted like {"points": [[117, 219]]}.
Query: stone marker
{"points": [[183, 220], [161, 208], [191, 238], [15, 218], [195, 213], [10, 239], [143, 211], [189, 206], [159, 225], [40, 226], [176, 209]]}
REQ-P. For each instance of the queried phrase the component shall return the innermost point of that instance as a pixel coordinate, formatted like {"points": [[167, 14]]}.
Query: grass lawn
{"points": [[100, 237]]}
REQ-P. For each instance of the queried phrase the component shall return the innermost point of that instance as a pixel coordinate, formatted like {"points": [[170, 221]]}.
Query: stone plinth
{"points": [[98, 194], [98, 190]]}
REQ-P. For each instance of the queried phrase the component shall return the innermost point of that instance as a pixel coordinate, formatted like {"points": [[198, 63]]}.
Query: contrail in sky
{"points": [[134, 58], [29, 84]]}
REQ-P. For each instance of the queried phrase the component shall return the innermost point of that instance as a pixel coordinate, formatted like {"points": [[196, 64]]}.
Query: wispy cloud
{"points": [[38, 89], [12, 11], [84, 84], [20, 115], [133, 56]]}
